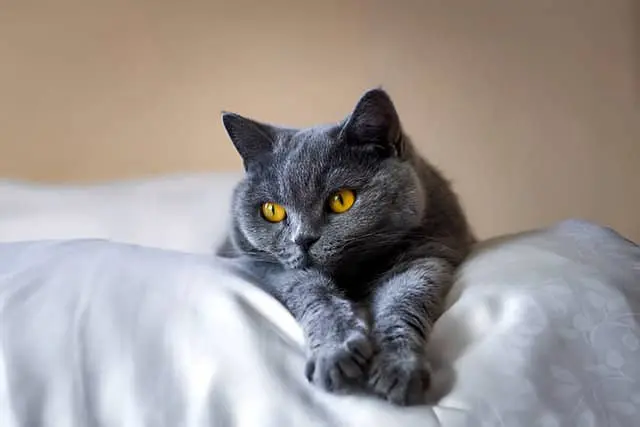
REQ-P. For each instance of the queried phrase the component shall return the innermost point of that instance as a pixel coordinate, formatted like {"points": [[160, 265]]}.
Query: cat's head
{"points": [[323, 195]]}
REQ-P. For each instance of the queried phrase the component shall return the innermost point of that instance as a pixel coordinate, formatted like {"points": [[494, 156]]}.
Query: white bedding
{"points": [[184, 212], [542, 330]]}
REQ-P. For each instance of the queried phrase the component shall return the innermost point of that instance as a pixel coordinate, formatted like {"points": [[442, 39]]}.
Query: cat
{"points": [[357, 235]]}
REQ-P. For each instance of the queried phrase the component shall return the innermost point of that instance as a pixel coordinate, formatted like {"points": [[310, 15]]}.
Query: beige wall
{"points": [[531, 107]]}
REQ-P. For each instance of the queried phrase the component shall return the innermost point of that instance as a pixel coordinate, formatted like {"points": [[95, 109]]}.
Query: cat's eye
{"points": [[273, 212], [341, 201]]}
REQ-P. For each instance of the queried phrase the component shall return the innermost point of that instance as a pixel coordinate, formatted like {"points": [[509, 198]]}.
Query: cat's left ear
{"points": [[253, 140], [374, 121]]}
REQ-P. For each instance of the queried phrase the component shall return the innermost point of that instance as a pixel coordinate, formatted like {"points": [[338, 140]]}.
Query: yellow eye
{"points": [[273, 212], [341, 201]]}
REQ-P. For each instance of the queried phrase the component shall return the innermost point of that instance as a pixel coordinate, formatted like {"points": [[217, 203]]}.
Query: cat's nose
{"points": [[305, 241]]}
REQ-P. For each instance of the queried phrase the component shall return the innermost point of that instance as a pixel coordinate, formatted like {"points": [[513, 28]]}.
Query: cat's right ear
{"points": [[253, 140]]}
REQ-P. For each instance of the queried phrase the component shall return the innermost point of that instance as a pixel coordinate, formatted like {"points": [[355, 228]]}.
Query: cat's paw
{"points": [[339, 367], [400, 379]]}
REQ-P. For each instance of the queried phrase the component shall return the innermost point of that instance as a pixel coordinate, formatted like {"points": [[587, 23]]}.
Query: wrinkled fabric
{"points": [[541, 329]]}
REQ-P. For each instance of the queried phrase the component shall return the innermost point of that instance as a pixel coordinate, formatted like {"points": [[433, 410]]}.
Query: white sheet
{"points": [[183, 212], [541, 330]]}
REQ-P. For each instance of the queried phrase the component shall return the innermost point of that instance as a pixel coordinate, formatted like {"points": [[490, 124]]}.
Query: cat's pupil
{"points": [[339, 199], [272, 209]]}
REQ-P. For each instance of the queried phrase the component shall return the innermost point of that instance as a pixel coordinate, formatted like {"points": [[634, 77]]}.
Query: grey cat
{"points": [[357, 235]]}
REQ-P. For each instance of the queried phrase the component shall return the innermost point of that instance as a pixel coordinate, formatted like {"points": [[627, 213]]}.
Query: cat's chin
{"points": [[297, 262]]}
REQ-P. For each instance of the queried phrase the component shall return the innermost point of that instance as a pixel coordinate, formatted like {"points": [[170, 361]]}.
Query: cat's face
{"points": [[324, 195]]}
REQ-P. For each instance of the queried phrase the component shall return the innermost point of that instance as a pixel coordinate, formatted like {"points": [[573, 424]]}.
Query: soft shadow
{"points": [[443, 379]]}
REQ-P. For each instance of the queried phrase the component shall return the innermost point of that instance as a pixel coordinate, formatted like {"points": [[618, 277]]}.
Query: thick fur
{"points": [[369, 287]]}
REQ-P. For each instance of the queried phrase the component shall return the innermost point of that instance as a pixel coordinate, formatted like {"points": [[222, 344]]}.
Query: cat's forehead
{"points": [[309, 163], [308, 141], [305, 161]]}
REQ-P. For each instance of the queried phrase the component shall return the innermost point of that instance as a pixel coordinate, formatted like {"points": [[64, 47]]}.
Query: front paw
{"points": [[339, 367], [400, 379]]}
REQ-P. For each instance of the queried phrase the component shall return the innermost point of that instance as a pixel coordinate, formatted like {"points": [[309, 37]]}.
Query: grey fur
{"points": [[370, 285]]}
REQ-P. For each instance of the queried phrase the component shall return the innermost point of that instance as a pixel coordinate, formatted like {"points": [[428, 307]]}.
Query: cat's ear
{"points": [[374, 121], [253, 140]]}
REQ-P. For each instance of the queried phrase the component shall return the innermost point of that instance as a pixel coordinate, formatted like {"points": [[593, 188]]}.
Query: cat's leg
{"points": [[404, 306], [338, 342]]}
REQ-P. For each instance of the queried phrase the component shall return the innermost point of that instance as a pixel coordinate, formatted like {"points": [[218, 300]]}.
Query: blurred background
{"points": [[531, 107]]}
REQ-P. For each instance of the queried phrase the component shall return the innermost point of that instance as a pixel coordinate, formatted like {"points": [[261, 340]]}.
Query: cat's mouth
{"points": [[313, 257], [297, 261]]}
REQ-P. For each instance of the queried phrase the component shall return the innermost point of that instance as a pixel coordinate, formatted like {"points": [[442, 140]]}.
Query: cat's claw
{"points": [[401, 380], [339, 367]]}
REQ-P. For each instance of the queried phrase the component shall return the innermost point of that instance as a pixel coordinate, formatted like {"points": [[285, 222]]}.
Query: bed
{"points": [[114, 313]]}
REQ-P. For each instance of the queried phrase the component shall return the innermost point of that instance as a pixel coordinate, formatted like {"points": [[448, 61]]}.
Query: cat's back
{"points": [[445, 219]]}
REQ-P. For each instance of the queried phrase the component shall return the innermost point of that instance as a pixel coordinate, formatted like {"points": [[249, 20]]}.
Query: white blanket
{"points": [[541, 330]]}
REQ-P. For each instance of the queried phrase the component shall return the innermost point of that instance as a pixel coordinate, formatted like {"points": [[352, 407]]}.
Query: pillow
{"points": [[541, 329], [186, 213]]}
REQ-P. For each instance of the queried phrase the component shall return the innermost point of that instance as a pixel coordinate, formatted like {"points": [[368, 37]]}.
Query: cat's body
{"points": [[390, 255]]}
